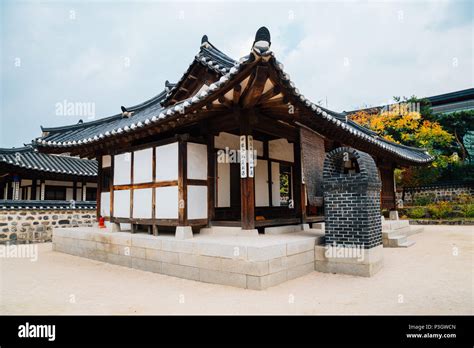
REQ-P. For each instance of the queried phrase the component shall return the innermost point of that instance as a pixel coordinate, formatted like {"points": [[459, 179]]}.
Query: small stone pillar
{"points": [[353, 229]]}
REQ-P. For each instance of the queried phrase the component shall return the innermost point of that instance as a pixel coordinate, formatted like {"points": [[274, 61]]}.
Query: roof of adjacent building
{"points": [[462, 99], [47, 205], [29, 158], [452, 97], [159, 109]]}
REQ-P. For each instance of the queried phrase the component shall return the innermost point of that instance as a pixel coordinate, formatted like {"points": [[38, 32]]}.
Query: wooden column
{"points": [[297, 179], [74, 190], [33, 189], [133, 227], [247, 184], [154, 228], [211, 176], [388, 196], [111, 186], [99, 186], [182, 185]]}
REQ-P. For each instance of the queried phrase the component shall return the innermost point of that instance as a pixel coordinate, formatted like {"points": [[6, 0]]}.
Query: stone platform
{"points": [[252, 262]]}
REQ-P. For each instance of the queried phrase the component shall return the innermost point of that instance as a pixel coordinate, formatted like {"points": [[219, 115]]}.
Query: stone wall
{"points": [[438, 193], [36, 225]]}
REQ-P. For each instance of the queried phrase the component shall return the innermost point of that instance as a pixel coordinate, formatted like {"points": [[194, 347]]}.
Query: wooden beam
{"points": [[236, 94], [269, 94], [255, 88]]}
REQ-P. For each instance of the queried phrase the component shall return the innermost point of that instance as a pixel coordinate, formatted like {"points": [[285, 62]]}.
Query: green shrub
{"points": [[416, 213], [424, 200], [441, 210], [468, 210], [465, 198]]}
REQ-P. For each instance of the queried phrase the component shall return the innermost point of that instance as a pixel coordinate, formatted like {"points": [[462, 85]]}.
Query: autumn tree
{"points": [[403, 123]]}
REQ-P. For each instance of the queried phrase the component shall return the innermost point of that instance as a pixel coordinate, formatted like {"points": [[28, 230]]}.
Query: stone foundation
{"points": [[252, 262], [36, 225], [345, 261]]}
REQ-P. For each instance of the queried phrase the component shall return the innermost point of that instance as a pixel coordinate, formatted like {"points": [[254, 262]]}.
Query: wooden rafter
{"points": [[254, 88]]}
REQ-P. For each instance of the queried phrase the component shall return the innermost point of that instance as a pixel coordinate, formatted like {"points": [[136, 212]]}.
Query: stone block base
{"points": [[344, 260], [252, 262]]}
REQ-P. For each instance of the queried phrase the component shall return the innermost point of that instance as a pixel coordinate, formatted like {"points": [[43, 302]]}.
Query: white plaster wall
{"points": [[275, 184], [106, 161], [142, 203], [79, 194], [197, 202], [122, 203], [143, 166], [224, 140], [69, 194], [105, 204], [122, 169], [223, 185], [197, 161], [166, 202], [26, 182], [233, 142], [167, 162], [261, 184], [281, 149], [258, 145]]}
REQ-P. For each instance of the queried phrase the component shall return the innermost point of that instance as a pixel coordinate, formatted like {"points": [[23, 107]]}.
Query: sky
{"points": [[62, 61]]}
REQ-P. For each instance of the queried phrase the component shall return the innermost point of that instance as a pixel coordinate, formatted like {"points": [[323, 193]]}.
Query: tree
{"points": [[403, 123], [459, 124]]}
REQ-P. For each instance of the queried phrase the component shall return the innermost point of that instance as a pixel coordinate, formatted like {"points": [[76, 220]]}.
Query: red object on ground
{"points": [[101, 222]]}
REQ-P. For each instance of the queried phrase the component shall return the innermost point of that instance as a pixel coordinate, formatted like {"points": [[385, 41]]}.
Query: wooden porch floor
{"points": [[268, 222]]}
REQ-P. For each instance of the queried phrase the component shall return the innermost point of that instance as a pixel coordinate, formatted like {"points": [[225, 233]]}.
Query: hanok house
{"points": [[27, 175], [171, 160]]}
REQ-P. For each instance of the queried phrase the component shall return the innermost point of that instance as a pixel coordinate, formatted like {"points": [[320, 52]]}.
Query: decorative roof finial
{"points": [[204, 39], [263, 34]]}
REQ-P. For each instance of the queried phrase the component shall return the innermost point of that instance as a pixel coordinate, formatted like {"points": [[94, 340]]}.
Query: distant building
{"points": [[446, 103], [26, 175], [454, 101]]}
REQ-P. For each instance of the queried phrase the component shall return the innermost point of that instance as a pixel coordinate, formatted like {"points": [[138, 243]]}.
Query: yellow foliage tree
{"points": [[403, 125]]}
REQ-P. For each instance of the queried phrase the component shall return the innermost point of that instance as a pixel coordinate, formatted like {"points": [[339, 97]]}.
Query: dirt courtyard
{"points": [[435, 276]]}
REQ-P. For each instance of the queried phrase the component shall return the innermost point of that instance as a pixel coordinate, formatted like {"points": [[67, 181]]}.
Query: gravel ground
{"points": [[435, 276]]}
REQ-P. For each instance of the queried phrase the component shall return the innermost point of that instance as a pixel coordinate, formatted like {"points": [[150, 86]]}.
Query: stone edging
{"points": [[442, 222]]}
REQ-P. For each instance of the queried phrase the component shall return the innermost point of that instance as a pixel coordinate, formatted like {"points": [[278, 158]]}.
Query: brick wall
{"points": [[313, 153], [36, 225], [352, 201]]}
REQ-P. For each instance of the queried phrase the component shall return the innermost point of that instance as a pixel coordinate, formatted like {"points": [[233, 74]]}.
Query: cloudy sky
{"points": [[347, 54]]}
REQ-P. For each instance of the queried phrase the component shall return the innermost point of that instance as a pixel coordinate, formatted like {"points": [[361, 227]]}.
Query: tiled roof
{"points": [[47, 205], [153, 111], [29, 158]]}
